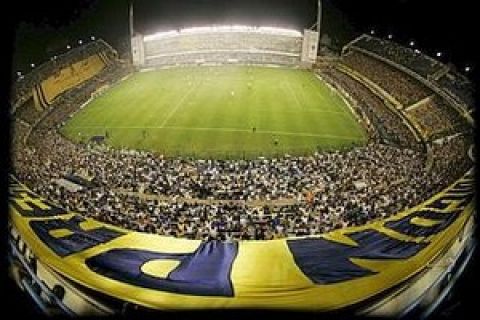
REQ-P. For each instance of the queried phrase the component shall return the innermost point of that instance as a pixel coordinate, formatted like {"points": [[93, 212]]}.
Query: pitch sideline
{"points": [[285, 133]]}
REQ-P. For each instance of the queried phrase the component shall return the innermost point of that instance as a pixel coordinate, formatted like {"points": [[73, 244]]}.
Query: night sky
{"points": [[44, 28]]}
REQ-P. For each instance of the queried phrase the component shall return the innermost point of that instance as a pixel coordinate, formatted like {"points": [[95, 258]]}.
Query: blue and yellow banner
{"points": [[327, 272]]}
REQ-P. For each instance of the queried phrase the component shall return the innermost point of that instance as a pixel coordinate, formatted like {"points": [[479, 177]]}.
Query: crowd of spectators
{"points": [[401, 86], [451, 156], [435, 119], [222, 199], [459, 87], [19, 129], [222, 41], [407, 57], [452, 82], [28, 112], [218, 46], [389, 127]]}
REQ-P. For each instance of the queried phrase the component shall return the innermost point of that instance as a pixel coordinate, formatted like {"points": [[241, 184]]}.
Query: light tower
{"points": [[137, 47], [130, 15], [130, 27], [311, 41], [319, 18]]}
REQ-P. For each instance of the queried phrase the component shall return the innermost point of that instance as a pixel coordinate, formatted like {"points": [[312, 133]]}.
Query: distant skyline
{"points": [[44, 30]]}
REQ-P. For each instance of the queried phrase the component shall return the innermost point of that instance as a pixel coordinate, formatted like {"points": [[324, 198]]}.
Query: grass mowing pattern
{"points": [[210, 112]]}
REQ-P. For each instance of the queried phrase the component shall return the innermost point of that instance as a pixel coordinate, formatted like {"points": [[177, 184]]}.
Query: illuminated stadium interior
{"points": [[167, 175]]}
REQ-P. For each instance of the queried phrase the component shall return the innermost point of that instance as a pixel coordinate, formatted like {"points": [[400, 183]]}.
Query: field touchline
{"points": [[284, 133]]}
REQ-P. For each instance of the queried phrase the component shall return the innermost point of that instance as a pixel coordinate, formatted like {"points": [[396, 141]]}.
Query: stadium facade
{"points": [[401, 265], [225, 44]]}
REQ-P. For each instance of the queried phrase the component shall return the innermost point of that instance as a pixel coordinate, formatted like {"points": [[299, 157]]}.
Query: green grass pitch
{"points": [[220, 112]]}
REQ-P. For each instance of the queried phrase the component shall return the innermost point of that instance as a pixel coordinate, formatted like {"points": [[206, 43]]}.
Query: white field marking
{"points": [[284, 133], [350, 113], [312, 110], [178, 105], [293, 93], [321, 96]]}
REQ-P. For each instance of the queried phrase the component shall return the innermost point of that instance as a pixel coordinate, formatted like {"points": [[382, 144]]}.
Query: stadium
{"points": [[241, 167]]}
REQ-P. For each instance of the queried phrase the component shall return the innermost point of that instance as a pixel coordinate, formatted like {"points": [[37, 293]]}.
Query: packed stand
{"points": [[19, 129], [22, 89], [329, 190], [409, 58], [388, 125], [231, 41], [28, 112], [437, 119], [459, 87], [449, 155], [218, 47], [401, 86]]}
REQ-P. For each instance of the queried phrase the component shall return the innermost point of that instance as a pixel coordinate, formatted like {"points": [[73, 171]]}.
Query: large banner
{"points": [[70, 77], [327, 272]]}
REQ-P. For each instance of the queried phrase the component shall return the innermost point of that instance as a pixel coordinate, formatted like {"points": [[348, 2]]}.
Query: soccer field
{"points": [[220, 112]]}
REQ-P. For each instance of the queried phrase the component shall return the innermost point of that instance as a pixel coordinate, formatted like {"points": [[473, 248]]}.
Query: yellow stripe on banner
{"points": [[422, 222], [338, 236], [71, 76], [25, 201], [60, 233], [90, 224], [159, 268], [397, 235]]}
